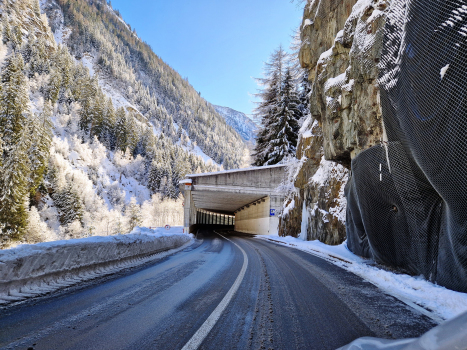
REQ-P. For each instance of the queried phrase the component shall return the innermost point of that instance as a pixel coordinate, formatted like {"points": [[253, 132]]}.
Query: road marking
{"points": [[204, 330]]}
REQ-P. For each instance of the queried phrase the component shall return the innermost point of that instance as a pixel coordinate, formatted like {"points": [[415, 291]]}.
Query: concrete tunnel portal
{"points": [[247, 200]]}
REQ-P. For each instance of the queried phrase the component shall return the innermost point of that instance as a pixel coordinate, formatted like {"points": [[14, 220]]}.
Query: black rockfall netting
{"points": [[407, 199]]}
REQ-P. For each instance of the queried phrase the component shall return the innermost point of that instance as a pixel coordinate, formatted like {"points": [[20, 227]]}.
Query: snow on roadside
{"points": [[441, 301], [34, 269]]}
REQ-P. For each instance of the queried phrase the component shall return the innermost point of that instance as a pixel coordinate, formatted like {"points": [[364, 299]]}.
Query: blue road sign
{"points": [[272, 212]]}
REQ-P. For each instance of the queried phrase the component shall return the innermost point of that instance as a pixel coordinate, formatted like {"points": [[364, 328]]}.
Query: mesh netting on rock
{"points": [[407, 199]]}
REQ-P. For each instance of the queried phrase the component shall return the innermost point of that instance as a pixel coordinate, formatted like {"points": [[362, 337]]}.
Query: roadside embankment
{"points": [[35, 269]]}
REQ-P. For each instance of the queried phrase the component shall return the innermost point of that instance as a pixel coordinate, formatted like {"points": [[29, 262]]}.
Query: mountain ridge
{"points": [[241, 123]]}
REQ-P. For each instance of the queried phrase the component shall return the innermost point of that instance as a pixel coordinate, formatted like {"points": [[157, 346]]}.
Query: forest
{"points": [[94, 148]]}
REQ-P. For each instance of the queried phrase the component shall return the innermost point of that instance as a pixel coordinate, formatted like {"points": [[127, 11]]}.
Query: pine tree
{"points": [[86, 115], [107, 135], [6, 32], [54, 85], [131, 133], [14, 187], [41, 137], [284, 130], [133, 213], [267, 108], [13, 100], [39, 59], [154, 176], [121, 142], [36, 8], [98, 114], [69, 205]]}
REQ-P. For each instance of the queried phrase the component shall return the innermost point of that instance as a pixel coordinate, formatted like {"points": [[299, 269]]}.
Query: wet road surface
{"points": [[286, 299]]}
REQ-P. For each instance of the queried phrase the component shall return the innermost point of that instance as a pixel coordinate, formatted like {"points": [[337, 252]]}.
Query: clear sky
{"points": [[219, 45]]}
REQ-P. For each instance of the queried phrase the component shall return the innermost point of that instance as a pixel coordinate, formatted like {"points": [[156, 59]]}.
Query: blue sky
{"points": [[219, 45]]}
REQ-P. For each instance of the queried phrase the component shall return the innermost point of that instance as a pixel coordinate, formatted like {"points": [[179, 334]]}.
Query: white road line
{"points": [[204, 330]]}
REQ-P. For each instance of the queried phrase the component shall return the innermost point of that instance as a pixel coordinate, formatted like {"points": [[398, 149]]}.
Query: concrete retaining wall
{"points": [[31, 270], [256, 219]]}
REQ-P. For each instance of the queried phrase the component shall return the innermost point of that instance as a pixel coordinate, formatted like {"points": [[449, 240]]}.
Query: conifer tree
{"points": [[86, 115], [13, 100], [69, 205], [14, 187], [107, 136], [121, 142], [131, 133], [98, 114], [54, 85], [6, 32], [41, 137], [36, 7], [133, 213], [284, 129], [154, 177], [267, 108]]}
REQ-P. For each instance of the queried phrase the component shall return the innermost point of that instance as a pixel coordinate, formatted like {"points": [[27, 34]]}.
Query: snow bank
{"points": [[30, 270], [435, 301]]}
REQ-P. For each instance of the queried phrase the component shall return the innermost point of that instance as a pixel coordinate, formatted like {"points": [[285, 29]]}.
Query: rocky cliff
{"points": [[341, 49]]}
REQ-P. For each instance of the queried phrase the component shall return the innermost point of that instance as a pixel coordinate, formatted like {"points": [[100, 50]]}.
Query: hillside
{"points": [[245, 127], [133, 75], [96, 131]]}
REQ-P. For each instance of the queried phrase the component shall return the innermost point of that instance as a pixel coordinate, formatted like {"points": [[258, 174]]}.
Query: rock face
{"points": [[341, 49]]}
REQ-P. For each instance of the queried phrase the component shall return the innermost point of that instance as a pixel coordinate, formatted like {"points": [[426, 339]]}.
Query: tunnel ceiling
{"points": [[226, 202]]}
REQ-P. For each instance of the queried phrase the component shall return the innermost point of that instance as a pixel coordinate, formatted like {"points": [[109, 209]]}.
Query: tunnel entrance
{"points": [[247, 200], [206, 217]]}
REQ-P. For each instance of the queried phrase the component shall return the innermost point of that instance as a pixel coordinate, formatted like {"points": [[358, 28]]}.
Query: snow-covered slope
{"points": [[135, 77], [239, 121], [93, 158]]}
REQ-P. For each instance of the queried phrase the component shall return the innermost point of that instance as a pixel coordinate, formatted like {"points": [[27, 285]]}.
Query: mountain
{"points": [[96, 131], [245, 127], [133, 75]]}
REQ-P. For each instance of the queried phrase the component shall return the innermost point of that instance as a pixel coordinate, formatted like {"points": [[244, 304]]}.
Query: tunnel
{"points": [[246, 200]]}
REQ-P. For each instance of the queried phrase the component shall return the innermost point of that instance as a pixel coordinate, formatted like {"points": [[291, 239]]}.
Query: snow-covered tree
{"points": [[108, 125], [37, 230], [41, 140], [14, 187], [121, 142], [284, 129], [133, 214], [267, 108], [69, 205], [14, 100]]}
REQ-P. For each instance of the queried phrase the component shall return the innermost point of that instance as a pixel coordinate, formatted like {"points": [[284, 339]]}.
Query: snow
{"points": [[62, 34], [304, 226], [335, 82], [118, 99], [243, 125], [87, 61], [349, 86], [439, 302], [33, 269], [3, 52], [325, 55], [199, 152], [443, 71], [307, 22], [306, 130], [238, 170], [288, 208]]}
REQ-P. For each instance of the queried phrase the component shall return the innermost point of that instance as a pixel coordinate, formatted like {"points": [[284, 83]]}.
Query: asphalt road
{"points": [[286, 299]]}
